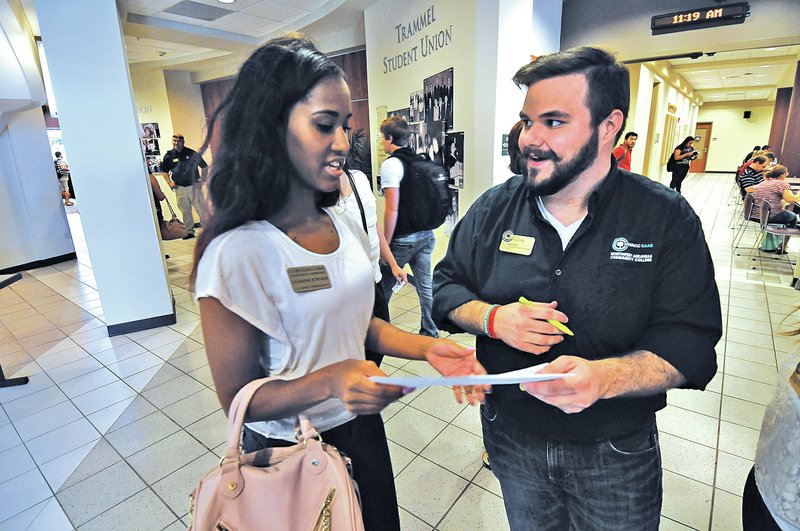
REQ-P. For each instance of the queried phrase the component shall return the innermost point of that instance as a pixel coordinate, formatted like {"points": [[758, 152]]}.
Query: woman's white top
{"points": [[247, 270], [349, 205], [777, 469]]}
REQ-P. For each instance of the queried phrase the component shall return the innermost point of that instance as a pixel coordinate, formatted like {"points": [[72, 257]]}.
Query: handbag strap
{"points": [[170, 206], [238, 410], [358, 200]]}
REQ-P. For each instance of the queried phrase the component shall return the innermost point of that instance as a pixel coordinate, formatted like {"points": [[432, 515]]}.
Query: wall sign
{"points": [[704, 17]]}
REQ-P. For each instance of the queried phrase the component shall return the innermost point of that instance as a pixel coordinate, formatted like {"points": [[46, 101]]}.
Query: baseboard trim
{"points": [[142, 324], [38, 263]]}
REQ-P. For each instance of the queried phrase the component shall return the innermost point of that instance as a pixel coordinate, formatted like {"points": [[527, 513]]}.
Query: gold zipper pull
{"points": [[324, 519]]}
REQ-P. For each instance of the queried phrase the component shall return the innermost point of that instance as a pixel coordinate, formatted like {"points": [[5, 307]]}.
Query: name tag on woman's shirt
{"points": [[308, 278]]}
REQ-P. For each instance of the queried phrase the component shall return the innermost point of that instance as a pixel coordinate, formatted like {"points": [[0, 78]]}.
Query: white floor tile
{"points": [[15, 461], [727, 513], [62, 440], [732, 472], [686, 501], [738, 440], [58, 470], [687, 458], [476, 509], [456, 450], [52, 518], [428, 491], [413, 429], [47, 420], [22, 492], [103, 397], [105, 418]]}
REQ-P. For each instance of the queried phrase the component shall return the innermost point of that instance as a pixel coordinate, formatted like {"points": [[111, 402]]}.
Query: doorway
{"points": [[702, 140]]}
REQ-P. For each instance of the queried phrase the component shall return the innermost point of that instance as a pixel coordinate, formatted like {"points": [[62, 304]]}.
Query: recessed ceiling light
{"points": [[226, 1], [768, 49], [764, 66]]}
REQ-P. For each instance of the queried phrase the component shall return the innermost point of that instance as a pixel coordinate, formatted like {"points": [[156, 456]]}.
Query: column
{"points": [[790, 150], [86, 57], [779, 117]]}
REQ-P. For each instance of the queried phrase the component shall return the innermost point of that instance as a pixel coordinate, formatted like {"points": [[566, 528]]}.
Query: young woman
{"points": [[285, 284], [683, 153], [775, 190]]}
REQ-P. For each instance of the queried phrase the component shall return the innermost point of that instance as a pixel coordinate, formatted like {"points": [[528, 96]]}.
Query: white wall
{"points": [[33, 225], [491, 40], [732, 137]]}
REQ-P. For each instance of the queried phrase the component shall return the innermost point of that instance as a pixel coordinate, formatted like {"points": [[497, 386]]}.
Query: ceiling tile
{"points": [[239, 22], [274, 11]]}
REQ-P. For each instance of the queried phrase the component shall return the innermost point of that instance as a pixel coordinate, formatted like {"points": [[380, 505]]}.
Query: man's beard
{"points": [[563, 174]]}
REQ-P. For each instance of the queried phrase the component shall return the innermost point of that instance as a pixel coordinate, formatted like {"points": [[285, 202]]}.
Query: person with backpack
{"points": [[416, 203], [679, 161]]}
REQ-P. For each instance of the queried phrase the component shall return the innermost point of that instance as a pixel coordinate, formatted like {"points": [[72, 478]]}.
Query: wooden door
{"points": [[702, 139]]}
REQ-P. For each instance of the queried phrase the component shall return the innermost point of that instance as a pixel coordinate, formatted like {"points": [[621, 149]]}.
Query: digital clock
{"points": [[705, 17]]}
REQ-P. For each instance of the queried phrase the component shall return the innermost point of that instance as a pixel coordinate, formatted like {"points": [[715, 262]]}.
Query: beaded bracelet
{"points": [[486, 318]]}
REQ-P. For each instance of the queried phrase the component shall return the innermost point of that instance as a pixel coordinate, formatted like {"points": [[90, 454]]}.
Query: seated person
{"points": [[775, 190], [752, 175]]}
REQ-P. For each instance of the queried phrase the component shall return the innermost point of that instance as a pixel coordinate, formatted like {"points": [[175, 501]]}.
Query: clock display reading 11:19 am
{"points": [[700, 18]]}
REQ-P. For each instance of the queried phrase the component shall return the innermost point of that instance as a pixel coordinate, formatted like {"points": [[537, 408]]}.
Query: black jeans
{"points": [[755, 514], [380, 309], [678, 175], [364, 441]]}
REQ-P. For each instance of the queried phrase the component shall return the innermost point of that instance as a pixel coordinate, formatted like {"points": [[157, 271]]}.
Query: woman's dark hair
{"points": [[252, 172], [513, 148], [776, 172], [608, 81], [685, 142]]}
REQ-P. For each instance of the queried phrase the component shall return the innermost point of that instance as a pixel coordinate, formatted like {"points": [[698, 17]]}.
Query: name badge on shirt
{"points": [[309, 278], [175, 160], [516, 244]]}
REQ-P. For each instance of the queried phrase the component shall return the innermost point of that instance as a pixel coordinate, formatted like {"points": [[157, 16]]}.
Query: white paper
{"points": [[529, 374]]}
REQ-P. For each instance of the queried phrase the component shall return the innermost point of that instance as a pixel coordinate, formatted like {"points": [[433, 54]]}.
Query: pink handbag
{"points": [[305, 487]]}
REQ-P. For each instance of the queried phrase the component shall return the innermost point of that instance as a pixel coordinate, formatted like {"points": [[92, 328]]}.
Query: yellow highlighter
{"points": [[557, 324]]}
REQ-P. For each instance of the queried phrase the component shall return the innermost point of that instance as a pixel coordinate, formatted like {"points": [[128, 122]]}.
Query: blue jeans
{"points": [[415, 249], [557, 485]]}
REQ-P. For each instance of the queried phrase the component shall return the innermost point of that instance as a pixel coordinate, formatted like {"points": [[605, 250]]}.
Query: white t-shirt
{"points": [[349, 205], [391, 173], [246, 270], [565, 232]]}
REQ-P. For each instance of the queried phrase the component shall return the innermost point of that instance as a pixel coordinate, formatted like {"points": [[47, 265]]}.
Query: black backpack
{"points": [[671, 163], [424, 190]]}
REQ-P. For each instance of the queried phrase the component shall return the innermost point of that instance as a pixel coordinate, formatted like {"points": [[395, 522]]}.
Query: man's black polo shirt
{"points": [[637, 275], [184, 165]]}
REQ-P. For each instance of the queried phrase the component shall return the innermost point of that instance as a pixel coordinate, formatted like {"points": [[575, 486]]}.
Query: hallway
{"points": [[113, 433]]}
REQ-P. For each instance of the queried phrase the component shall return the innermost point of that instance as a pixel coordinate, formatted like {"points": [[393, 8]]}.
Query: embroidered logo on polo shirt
{"points": [[626, 251]]}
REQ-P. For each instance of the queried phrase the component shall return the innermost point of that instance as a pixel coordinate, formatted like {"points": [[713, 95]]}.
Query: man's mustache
{"points": [[540, 154]]}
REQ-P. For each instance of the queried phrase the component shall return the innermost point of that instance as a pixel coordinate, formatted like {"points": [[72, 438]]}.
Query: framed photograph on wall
{"points": [[439, 97], [150, 130], [150, 146], [452, 218], [153, 163], [403, 113], [454, 158], [416, 103]]}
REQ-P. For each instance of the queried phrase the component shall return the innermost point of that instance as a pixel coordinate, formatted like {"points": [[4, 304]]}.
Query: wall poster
{"points": [[439, 97], [452, 218], [454, 158], [150, 130]]}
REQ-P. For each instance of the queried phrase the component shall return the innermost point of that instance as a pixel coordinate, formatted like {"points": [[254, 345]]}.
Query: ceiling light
{"points": [[764, 66], [226, 1], [768, 49]]}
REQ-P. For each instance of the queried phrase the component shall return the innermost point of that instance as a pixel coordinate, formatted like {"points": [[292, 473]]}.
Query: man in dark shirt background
{"points": [[180, 164], [620, 259]]}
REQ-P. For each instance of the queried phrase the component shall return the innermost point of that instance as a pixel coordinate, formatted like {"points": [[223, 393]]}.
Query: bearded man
{"points": [[618, 258]]}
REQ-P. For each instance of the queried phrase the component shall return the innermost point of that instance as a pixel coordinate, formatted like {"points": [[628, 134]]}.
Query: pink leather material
{"points": [[275, 488]]}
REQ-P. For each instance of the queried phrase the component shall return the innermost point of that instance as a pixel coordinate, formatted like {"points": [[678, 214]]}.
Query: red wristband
{"points": [[490, 325]]}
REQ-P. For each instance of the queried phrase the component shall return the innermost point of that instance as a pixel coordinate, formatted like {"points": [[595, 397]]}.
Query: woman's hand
{"points": [[451, 359], [350, 383]]}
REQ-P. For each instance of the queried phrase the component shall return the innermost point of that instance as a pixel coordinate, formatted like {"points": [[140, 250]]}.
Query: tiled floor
{"points": [[112, 433]]}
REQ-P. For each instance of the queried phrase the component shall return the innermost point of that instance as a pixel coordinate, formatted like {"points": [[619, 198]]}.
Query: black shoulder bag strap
{"points": [[358, 200]]}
